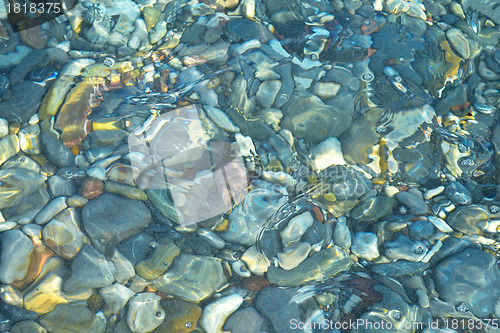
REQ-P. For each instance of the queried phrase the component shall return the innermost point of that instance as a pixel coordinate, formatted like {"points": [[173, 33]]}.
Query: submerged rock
{"points": [[15, 259], [193, 278], [75, 318], [318, 267], [470, 278], [145, 312], [308, 118], [180, 316], [90, 270], [111, 218]]}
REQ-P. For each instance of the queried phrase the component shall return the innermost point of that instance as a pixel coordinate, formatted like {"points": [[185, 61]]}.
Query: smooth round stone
{"points": [[416, 205], [244, 29], [4, 127], [9, 146], [145, 312], [90, 270], [365, 245], [74, 318], [92, 188], [405, 248], [115, 297], [458, 194], [180, 316], [342, 235], [16, 253], [33, 230], [321, 265], [4, 226], [26, 98], [400, 268], [247, 320], [471, 277], [16, 185], [56, 151], [161, 259], [373, 209], [63, 235], [124, 268], [113, 218], [193, 278], [50, 210], [60, 186], [27, 326], [279, 313]]}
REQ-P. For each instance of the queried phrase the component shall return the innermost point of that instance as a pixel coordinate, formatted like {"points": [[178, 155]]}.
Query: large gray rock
{"points": [[16, 253], [111, 218], [90, 270]]}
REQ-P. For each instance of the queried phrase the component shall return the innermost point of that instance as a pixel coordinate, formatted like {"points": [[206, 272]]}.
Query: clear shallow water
{"points": [[175, 166]]}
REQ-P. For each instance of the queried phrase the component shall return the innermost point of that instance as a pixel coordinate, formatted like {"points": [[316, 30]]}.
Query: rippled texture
{"points": [[251, 166]]}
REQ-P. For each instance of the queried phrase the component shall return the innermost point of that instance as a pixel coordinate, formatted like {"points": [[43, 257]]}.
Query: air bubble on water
{"points": [[462, 307]]}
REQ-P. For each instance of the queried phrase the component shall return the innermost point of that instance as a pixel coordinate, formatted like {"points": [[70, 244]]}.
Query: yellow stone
{"points": [[48, 294], [55, 96], [101, 70], [151, 16]]}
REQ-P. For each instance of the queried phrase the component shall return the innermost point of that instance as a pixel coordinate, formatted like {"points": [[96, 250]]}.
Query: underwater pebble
{"points": [[365, 245], [215, 314], [113, 218], [327, 153], [90, 269], [457, 193], [4, 226], [145, 312], [192, 278], [61, 187], [416, 205], [115, 297], [469, 277], [429, 194], [9, 146], [256, 262], [56, 151], [75, 318], [50, 210], [321, 265], [246, 320], [63, 235], [15, 258]]}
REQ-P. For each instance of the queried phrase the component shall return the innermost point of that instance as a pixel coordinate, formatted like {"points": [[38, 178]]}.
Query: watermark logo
{"points": [[205, 177], [26, 14]]}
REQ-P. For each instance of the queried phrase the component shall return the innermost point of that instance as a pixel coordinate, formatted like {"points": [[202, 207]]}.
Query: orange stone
{"points": [[92, 188]]}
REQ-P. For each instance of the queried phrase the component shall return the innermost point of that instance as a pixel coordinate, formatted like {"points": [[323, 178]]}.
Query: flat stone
{"points": [[74, 318], [63, 235], [193, 278], [113, 218], [90, 270], [416, 204], [318, 267], [56, 151], [247, 320], [26, 98], [279, 313], [28, 326], [16, 253]]}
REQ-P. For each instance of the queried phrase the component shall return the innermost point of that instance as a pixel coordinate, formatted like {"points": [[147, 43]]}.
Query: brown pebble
{"points": [[92, 188], [255, 283], [95, 303]]}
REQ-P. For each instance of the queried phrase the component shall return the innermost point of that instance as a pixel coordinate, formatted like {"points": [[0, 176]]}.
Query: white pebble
{"points": [[433, 192], [365, 245], [4, 226]]}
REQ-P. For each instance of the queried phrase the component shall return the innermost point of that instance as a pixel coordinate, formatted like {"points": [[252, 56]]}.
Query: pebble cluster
{"points": [[367, 187]]}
